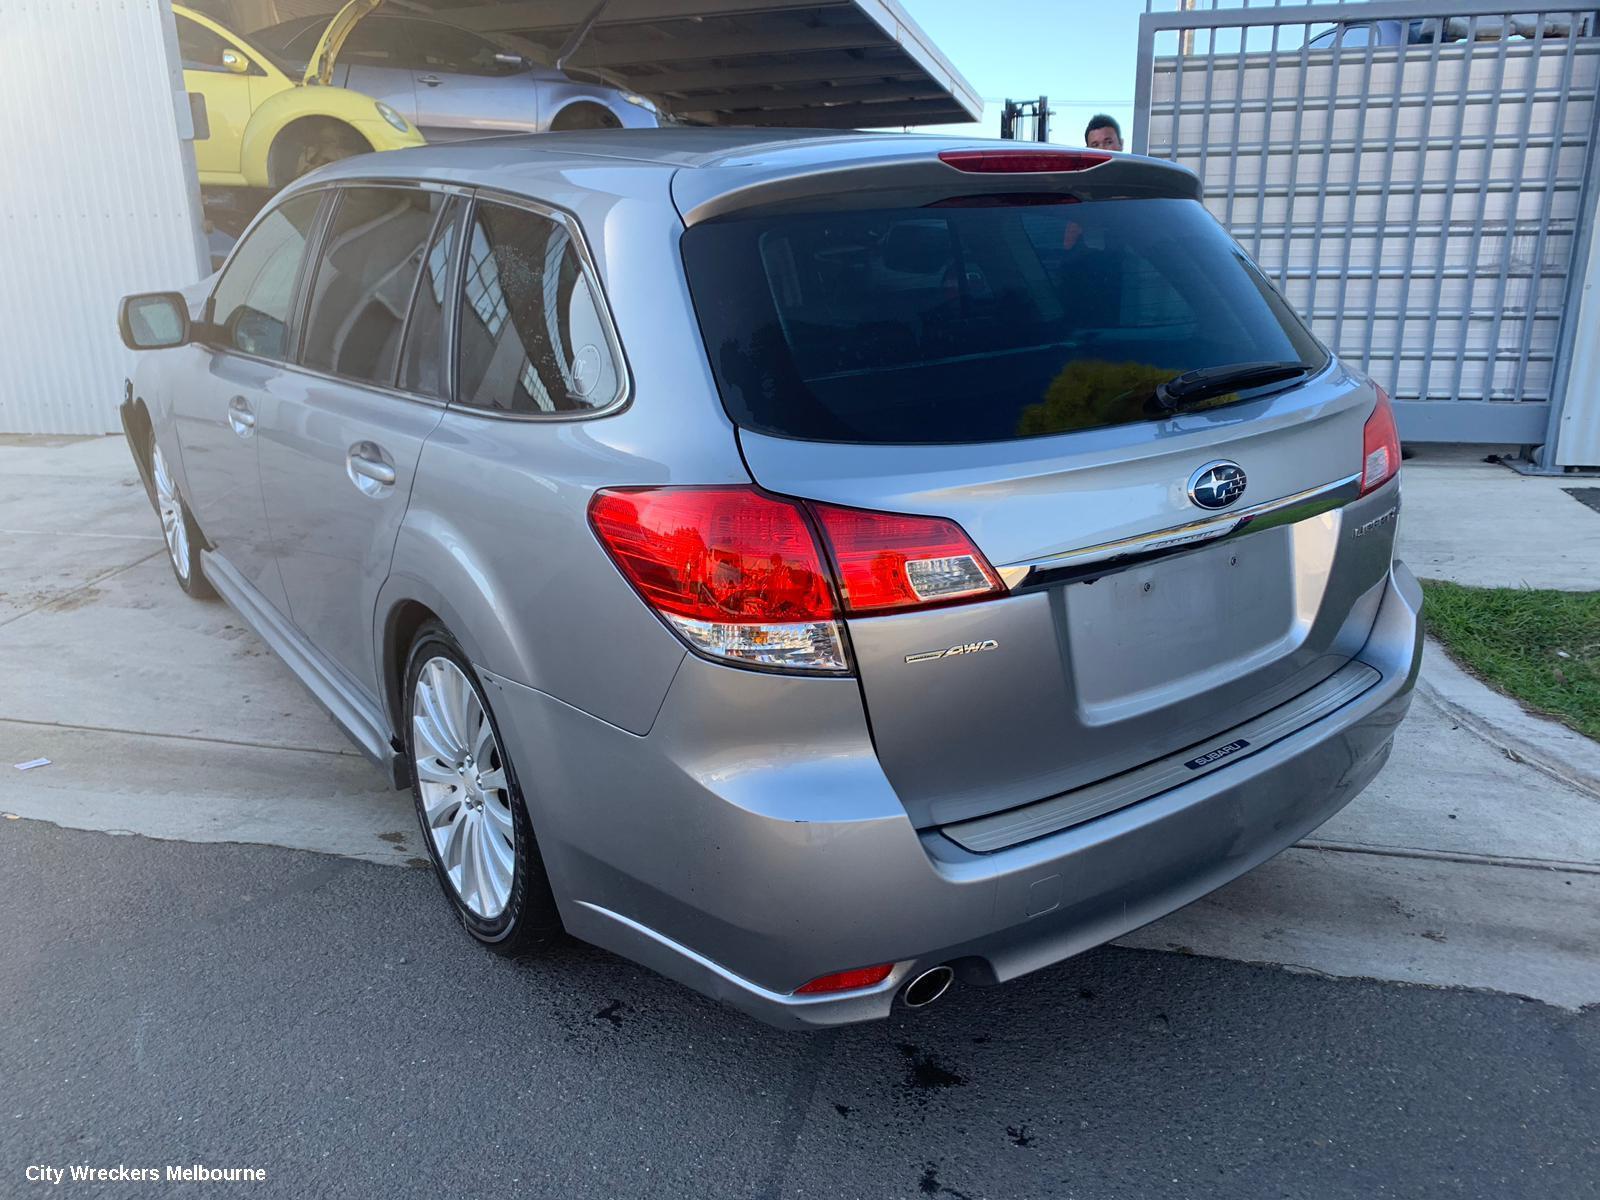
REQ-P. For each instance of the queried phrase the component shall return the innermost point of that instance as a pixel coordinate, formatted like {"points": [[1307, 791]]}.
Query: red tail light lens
{"points": [[888, 562], [740, 576], [846, 981], [1380, 445], [735, 571], [1021, 162]]}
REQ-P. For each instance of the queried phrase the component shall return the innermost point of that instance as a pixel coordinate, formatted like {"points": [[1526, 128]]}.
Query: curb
{"points": [[1547, 746]]}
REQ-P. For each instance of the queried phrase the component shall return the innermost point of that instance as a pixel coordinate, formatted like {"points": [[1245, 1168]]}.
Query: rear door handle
{"points": [[369, 468], [241, 417], [429, 80]]}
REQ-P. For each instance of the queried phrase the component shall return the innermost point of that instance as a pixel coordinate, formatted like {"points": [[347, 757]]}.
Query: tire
{"points": [[585, 115], [178, 529], [311, 143], [470, 806]]}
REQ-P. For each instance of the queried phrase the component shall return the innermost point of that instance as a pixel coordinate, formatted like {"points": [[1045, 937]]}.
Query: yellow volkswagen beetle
{"points": [[263, 127]]}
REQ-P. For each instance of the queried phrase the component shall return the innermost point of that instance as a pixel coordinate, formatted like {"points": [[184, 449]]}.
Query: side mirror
{"points": [[153, 321], [235, 62], [505, 58]]}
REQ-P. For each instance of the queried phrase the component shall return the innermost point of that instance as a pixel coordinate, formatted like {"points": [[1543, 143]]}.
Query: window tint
{"points": [[975, 323], [199, 48], [255, 295], [422, 366], [370, 257], [532, 337]]}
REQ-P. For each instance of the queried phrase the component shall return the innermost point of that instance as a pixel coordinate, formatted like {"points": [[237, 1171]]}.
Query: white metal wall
{"points": [[1419, 206], [97, 199]]}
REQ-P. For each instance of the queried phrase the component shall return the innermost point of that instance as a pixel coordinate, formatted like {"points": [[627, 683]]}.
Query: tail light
{"points": [[889, 562], [740, 575], [1380, 445]]}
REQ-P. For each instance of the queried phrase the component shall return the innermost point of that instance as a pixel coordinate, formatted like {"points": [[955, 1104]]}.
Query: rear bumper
{"points": [[745, 865]]}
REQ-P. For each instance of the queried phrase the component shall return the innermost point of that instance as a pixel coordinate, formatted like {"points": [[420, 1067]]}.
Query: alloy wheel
{"points": [[466, 797], [173, 525]]}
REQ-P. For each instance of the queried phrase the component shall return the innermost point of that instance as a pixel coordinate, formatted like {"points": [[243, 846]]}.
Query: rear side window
{"points": [[975, 323], [376, 242], [252, 301], [532, 334]]}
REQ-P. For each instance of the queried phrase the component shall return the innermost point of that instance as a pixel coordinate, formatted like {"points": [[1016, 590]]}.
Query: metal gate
{"points": [[1417, 175]]}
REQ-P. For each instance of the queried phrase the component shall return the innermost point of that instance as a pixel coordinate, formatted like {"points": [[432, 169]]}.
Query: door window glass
{"points": [[199, 48], [532, 334], [422, 366], [375, 245], [251, 304], [426, 46]]}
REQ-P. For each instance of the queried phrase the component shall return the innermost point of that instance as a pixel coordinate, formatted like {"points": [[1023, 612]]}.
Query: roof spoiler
{"points": [[889, 175]]}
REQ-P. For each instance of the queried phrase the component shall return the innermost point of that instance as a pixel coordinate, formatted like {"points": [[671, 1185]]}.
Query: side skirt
{"points": [[360, 719]]}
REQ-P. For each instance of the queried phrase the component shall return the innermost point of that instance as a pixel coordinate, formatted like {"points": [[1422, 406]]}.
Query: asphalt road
{"points": [[319, 1017]]}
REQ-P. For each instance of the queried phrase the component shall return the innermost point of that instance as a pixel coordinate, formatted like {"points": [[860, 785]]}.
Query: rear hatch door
{"points": [[995, 359]]}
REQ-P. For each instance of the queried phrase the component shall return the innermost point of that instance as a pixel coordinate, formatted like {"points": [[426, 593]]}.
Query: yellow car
{"points": [[262, 127]]}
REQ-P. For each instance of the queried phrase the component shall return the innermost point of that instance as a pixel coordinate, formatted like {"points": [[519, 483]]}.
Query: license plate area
{"points": [[1170, 630]]}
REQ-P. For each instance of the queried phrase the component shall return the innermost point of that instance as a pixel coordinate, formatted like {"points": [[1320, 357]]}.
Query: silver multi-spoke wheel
{"points": [[173, 525], [466, 798]]}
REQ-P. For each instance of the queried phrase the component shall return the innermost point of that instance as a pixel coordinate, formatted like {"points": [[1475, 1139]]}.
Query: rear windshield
{"points": [[976, 322]]}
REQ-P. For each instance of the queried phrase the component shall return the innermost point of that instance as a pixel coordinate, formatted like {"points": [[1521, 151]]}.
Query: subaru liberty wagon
{"points": [[819, 567]]}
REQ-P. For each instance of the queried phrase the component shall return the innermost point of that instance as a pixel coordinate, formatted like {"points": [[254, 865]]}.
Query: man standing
{"points": [[1103, 133]]}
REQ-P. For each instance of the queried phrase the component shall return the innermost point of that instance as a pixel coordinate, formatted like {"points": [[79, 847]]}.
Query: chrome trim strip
{"points": [[1282, 511]]}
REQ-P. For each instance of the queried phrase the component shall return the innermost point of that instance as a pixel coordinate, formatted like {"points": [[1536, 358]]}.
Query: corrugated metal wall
{"points": [[96, 200]]}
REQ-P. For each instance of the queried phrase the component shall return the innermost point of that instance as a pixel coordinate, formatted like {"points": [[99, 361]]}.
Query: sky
{"points": [[1080, 53]]}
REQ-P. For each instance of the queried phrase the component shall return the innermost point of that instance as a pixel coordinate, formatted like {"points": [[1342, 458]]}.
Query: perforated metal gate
{"points": [[1417, 175]]}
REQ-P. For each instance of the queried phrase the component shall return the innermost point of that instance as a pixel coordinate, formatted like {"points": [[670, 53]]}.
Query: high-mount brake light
{"points": [[740, 575], [1022, 162], [1380, 445]]}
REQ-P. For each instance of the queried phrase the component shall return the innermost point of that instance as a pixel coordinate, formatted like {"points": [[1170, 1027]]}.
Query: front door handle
{"points": [[429, 80], [241, 417], [369, 468]]}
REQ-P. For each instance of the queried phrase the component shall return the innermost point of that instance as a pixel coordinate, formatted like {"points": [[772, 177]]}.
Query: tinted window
{"points": [[980, 323], [532, 337], [422, 365], [370, 257], [254, 297]]}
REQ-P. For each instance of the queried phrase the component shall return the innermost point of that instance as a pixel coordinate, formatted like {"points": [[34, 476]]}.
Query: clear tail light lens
{"points": [[739, 574], [1380, 445], [888, 562], [736, 572]]}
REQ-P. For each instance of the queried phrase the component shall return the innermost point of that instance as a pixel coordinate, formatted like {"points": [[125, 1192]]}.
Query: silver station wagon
{"points": [[819, 567]]}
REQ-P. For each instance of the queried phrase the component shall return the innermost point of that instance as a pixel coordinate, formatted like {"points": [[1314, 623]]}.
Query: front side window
{"points": [[533, 338], [976, 322], [375, 245], [251, 304]]}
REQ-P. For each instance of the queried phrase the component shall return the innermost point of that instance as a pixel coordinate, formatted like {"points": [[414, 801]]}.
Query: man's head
{"points": [[1103, 133]]}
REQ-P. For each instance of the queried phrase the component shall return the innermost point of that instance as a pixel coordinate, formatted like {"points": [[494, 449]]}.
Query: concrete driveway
{"points": [[318, 1012]]}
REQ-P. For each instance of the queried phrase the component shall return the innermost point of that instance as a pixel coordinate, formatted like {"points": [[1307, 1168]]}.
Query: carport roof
{"points": [[837, 64]]}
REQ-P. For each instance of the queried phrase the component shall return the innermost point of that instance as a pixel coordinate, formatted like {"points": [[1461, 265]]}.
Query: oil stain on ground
{"points": [[925, 1073]]}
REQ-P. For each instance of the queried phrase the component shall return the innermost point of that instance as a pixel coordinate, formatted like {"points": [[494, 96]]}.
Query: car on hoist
{"points": [[258, 125]]}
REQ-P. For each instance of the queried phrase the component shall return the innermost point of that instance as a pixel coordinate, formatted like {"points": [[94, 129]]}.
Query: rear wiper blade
{"points": [[1207, 382]]}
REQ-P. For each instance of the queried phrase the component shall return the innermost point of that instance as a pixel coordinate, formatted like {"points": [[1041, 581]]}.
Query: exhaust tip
{"points": [[928, 987]]}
